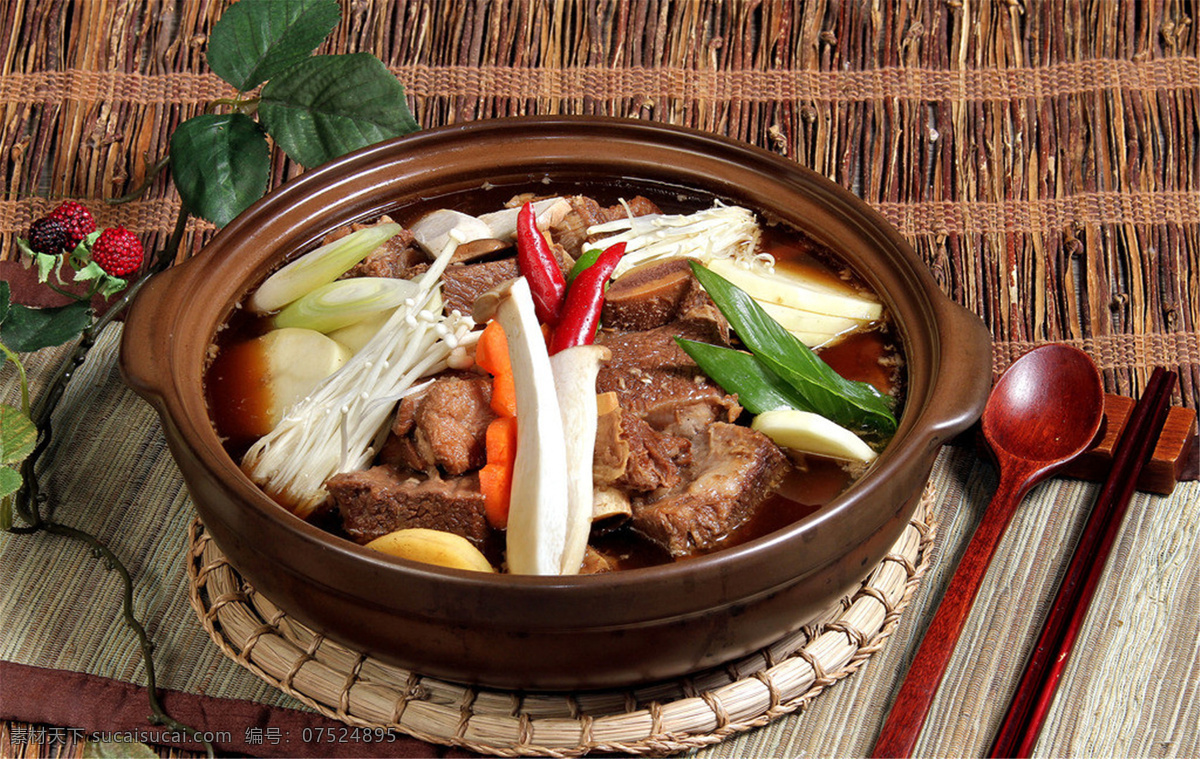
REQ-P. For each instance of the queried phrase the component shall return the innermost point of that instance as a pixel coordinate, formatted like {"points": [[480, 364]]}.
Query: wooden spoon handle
{"points": [[909, 710]]}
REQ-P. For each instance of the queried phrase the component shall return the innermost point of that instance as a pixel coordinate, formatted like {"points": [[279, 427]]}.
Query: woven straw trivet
{"points": [[652, 720]]}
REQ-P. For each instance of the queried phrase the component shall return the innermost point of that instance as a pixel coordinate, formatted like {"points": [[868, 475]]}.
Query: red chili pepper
{"points": [[585, 299], [541, 268]]}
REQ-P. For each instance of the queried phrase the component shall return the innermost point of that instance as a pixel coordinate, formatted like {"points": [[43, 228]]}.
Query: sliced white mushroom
{"points": [[575, 371], [538, 515], [503, 223], [436, 229]]}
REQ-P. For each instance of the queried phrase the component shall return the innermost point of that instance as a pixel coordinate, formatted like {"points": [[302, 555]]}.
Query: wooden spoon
{"points": [[1044, 411]]}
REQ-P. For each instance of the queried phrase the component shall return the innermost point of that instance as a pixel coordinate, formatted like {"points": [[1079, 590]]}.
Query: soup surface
{"points": [[676, 455]]}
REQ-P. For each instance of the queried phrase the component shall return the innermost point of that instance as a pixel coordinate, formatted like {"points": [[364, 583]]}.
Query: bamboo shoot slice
{"points": [[787, 289], [812, 433], [443, 549]]}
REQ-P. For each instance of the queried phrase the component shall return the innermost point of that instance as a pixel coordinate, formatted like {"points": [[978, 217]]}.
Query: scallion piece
{"points": [[319, 267], [345, 302], [855, 405]]}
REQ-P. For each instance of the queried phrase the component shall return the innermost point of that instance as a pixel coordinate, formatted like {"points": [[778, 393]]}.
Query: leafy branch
{"points": [[313, 107]]}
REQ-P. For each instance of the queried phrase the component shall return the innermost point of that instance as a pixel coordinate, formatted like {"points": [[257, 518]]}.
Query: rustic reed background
{"points": [[1042, 159]]}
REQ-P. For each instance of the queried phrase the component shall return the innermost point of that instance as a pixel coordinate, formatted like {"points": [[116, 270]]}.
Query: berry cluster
{"points": [[69, 233]]}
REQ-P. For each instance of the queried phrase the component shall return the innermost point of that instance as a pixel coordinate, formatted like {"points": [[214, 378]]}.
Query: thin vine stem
{"points": [[29, 498], [137, 192]]}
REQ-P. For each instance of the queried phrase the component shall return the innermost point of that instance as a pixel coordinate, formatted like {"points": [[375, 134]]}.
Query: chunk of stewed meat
{"points": [[463, 283], [383, 499], [654, 457], [658, 294], [656, 381], [733, 470], [443, 427]]}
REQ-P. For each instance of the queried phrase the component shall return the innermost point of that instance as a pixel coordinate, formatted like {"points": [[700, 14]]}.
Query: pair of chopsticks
{"points": [[1035, 692]]}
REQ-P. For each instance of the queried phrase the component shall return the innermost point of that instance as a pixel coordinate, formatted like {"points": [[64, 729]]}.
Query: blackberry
{"points": [[47, 236]]}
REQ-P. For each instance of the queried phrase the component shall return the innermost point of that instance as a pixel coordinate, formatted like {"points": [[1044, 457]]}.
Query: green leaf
{"points": [[255, 40], [221, 164], [855, 405], [46, 263], [758, 388], [30, 329], [10, 482], [5, 295], [17, 435], [329, 105], [81, 255]]}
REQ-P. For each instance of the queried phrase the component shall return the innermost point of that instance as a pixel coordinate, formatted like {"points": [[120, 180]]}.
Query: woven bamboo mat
{"points": [[1044, 160], [655, 720]]}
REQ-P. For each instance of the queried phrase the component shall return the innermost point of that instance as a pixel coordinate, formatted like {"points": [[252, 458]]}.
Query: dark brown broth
{"points": [[237, 400]]}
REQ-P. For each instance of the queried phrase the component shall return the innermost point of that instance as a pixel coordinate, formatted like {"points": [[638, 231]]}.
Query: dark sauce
{"points": [[237, 400]]}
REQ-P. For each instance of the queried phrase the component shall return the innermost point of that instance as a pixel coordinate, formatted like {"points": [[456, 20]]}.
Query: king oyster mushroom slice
{"points": [[436, 229], [538, 516], [575, 371], [503, 223]]}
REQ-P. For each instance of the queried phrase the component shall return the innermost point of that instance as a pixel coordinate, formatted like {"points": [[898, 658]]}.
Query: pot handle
{"points": [[961, 392], [146, 338]]}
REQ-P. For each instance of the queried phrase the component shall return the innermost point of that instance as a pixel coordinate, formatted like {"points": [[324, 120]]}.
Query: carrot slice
{"points": [[501, 440], [491, 352], [495, 479], [491, 355], [495, 482]]}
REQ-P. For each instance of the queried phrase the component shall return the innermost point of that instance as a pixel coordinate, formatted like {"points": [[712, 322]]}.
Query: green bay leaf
{"points": [[255, 40], [758, 388], [30, 329], [5, 296], [329, 105], [221, 164], [851, 404]]}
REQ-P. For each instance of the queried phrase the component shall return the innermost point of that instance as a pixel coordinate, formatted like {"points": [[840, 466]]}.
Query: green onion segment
{"points": [[345, 302], [320, 267]]}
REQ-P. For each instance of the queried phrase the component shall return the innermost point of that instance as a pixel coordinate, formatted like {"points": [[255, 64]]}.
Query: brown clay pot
{"points": [[535, 632]]}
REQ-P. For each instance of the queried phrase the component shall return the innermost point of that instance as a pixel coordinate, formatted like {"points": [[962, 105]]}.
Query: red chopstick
{"points": [[1031, 701]]}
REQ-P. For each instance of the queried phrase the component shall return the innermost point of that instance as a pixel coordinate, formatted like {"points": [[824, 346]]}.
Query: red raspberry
{"points": [[47, 236], [76, 219], [118, 251]]}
